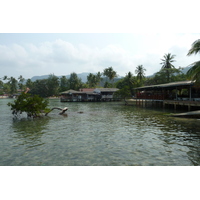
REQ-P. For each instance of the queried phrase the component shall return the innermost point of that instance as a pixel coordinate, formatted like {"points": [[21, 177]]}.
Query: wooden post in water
{"points": [[188, 107], [190, 93], [174, 106]]}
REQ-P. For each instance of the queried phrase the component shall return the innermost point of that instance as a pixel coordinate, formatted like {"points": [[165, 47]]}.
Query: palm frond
{"points": [[195, 48], [194, 72]]}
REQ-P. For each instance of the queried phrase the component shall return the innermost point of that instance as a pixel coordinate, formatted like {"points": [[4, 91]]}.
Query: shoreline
{"points": [[4, 97]]}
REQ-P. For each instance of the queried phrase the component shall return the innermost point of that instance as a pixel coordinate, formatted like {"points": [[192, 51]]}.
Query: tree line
{"points": [[53, 85]]}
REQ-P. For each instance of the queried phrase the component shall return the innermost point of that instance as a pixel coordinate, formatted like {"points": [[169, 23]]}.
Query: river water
{"points": [[99, 134]]}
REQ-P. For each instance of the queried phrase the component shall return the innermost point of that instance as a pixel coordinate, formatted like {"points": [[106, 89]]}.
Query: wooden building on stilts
{"points": [[176, 94]]}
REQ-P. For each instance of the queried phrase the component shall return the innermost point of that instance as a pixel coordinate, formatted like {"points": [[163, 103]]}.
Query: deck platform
{"points": [[164, 103]]}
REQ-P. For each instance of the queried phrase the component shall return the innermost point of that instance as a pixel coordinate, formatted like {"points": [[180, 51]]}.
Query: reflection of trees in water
{"points": [[29, 131]]}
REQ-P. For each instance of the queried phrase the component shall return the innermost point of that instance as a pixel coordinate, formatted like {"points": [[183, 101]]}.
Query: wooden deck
{"points": [[182, 103], [164, 103]]}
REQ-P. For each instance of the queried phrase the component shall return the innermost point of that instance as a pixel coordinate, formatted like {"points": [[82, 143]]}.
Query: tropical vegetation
{"points": [[33, 106], [53, 85], [194, 72], [167, 65]]}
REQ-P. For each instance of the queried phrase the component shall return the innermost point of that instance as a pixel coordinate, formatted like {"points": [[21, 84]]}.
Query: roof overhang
{"points": [[167, 85]]}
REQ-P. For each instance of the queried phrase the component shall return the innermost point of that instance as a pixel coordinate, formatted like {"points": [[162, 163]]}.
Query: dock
{"points": [[176, 104]]}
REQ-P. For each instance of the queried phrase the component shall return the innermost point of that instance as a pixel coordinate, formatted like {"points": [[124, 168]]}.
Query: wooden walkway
{"points": [[164, 103], [182, 103]]}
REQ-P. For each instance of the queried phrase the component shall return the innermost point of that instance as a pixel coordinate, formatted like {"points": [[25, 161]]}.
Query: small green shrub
{"points": [[34, 106]]}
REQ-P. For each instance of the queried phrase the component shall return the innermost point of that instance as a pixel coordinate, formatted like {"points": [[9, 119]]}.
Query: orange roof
{"points": [[87, 89]]}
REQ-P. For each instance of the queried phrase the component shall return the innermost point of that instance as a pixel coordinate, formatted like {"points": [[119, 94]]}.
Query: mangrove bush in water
{"points": [[33, 106]]}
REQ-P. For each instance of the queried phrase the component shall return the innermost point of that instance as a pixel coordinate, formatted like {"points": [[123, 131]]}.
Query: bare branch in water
{"points": [[62, 109]]}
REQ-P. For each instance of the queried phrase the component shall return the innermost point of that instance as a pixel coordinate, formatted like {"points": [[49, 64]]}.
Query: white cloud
{"points": [[61, 57]]}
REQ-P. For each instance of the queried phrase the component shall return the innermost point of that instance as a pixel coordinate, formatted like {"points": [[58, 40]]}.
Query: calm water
{"points": [[104, 134]]}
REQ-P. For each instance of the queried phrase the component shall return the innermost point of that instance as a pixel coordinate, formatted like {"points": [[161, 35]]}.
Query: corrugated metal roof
{"points": [[72, 92], [167, 85], [78, 92], [107, 89], [90, 91]]}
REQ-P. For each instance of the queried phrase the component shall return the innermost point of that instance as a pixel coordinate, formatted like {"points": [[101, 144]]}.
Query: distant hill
{"points": [[83, 77], [184, 70]]}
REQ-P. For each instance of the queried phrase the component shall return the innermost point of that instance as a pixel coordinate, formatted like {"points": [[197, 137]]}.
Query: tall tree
{"points": [[13, 85], [194, 72], [29, 83], [161, 77], [64, 84], [167, 64], [129, 79], [40, 88], [128, 82], [140, 71], [98, 77], [21, 81], [93, 80], [110, 73], [52, 85], [74, 82]]}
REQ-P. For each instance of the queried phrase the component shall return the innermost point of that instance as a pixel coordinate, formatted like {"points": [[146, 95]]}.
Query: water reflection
{"points": [[29, 131]]}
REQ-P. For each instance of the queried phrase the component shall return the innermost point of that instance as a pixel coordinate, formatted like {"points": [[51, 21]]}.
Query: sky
{"points": [[62, 37], [35, 54]]}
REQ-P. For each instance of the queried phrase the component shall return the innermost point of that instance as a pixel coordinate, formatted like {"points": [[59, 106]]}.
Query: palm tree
{"points": [[21, 80], [98, 77], [5, 77], [110, 73], [167, 64], [140, 72], [91, 80], [195, 48], [194, 72], [13, 85], [129, 79]]}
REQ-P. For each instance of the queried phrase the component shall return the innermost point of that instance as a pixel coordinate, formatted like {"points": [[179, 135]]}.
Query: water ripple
{"points": [[102, 134]]}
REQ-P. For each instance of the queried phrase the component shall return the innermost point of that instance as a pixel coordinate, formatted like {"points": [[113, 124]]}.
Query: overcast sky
{"points": [[61, 54], [94, 35]]}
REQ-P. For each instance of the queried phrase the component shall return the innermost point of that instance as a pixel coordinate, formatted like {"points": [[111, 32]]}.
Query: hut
{"points": [[87, 94], [107, 94], [79, 96]]}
